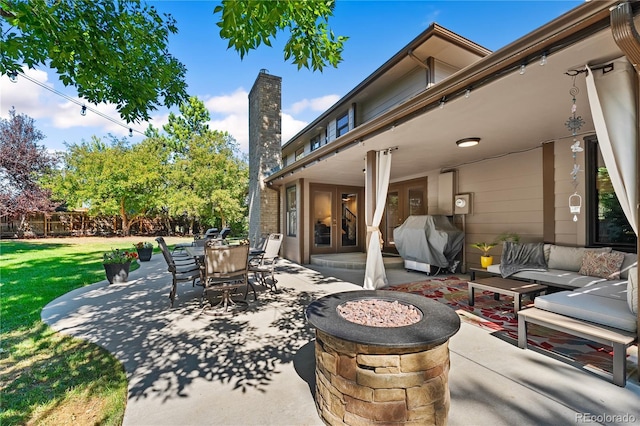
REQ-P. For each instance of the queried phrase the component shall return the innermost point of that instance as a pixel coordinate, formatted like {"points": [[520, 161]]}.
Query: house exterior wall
{"points": [[507, 197], [411, 83], [264, 154]]}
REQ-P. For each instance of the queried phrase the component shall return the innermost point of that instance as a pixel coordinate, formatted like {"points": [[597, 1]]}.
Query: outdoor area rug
{"points": [[498, 318]]}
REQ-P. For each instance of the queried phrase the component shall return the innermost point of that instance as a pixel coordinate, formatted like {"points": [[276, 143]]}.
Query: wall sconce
{"points": [[467, 142]]}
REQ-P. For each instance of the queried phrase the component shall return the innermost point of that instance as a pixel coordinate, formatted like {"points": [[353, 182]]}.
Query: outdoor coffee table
{"points": [[506, 286]]}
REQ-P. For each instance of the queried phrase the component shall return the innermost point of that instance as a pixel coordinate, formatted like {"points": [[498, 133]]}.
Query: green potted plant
{"points": [[486, 259], [117, 263], [145, 250]]}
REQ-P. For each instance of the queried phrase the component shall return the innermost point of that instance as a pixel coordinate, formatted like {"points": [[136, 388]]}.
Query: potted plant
{"points": [[145, 250], [117, 263], [486, 259]]}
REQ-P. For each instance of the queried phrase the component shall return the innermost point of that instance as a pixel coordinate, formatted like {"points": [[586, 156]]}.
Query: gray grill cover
{"points": [[430, 239]]}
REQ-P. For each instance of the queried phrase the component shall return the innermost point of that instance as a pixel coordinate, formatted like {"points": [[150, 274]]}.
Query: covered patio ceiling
{"points": [[513, 113]]}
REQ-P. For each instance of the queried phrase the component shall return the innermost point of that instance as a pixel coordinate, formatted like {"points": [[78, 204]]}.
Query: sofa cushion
{"points": [[602, 265], [632, 290], [569, 258], [556, 277], [601, 310], [630, 260]]}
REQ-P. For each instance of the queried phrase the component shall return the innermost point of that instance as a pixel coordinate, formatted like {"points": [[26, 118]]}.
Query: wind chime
{"points": [[574, 123]]}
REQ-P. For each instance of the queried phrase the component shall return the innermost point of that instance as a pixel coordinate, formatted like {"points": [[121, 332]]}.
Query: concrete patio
{"points": [[257, 368]]}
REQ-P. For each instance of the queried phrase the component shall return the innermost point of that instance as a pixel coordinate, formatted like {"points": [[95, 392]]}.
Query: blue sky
{"points": [[376, 30]]}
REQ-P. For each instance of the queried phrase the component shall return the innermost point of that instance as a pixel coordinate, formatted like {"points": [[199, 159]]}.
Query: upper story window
{"points": [[342, 124], [299, 153], [316, 142], [607, 224]]}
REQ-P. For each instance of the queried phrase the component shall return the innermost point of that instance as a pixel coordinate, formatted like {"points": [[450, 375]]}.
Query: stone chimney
{"points": [[265, 156]]}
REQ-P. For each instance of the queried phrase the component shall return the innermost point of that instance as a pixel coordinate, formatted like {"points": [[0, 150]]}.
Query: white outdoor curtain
{"points": [[375, 276], [613, 108]]}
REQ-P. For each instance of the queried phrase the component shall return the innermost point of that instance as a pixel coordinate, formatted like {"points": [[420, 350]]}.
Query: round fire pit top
{"points": [[438, 323]]}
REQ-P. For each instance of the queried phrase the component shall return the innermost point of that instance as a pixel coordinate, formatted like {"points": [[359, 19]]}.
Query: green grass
{"points": [[48, 378]]}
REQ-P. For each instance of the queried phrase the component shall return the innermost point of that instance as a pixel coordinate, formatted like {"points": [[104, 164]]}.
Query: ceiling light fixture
{"points": [[467, 142]]}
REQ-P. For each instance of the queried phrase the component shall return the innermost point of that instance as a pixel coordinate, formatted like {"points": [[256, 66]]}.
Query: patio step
{"points": [[353, 261]]}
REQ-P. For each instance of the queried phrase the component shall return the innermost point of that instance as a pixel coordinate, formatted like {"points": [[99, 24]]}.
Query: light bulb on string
{"points": [[543, 60], [13, 76], [83, 110], [523, 69], [130, 132]]}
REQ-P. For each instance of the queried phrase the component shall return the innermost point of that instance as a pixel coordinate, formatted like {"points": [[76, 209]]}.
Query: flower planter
{"points": [[117, 272], [486, 261], [144, 254]]}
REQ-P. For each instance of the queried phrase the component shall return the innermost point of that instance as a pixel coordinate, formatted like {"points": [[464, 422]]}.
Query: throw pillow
{"points": [[602, 265], [632, 290], [569, 258]]}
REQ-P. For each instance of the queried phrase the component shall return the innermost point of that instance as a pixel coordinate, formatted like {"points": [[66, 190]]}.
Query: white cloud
{"points": [[290, 127], [39, 103], [230, 113], [27, 97], [320, 104]]}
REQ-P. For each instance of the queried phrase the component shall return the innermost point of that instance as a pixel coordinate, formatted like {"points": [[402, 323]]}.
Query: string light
{"points": [[467, 93], [13, 76], [442, 102], [77, 102], [83, 110], [523, 69], [543, 60]]}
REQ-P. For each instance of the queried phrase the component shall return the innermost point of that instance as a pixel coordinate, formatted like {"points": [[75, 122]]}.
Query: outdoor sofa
{"points": [[599, 302]]}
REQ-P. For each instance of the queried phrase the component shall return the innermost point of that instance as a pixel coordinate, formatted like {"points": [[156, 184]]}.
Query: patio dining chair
{"points": [[182, 269], [264, 263], [225, 271]]}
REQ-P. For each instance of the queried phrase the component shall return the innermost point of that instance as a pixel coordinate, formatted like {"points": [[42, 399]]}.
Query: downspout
{"points": [[628, 40]]}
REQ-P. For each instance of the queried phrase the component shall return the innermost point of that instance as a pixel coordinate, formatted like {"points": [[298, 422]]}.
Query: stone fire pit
{"points": [[379, 374]]}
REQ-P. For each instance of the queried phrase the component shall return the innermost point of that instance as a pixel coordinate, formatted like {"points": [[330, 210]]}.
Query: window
{"points": [[316, 142], [606, 223], [299, 153], [342, 124], [292, 212]]}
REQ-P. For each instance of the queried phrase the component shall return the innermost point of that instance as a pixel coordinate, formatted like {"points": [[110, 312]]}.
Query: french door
{"points": [[336, 223], [404, 199]]}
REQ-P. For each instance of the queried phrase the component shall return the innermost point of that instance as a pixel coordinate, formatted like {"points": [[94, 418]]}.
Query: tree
{"points": [[113, 179], [109, 51], [249, 23], [118, 51], [207, 178], [22, 164]]}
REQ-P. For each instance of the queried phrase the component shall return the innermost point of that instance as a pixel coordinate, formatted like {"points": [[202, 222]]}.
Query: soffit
{"points": [[514, 113]]}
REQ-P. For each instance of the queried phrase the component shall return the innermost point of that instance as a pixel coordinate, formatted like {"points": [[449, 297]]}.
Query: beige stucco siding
{"points": [[507, 197]]}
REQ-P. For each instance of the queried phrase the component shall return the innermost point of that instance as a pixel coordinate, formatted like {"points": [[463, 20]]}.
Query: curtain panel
{"points": [[613, 108], [375, 276]]}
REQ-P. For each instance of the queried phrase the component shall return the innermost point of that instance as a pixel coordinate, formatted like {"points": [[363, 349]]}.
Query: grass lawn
{"points": [[49, 378]]}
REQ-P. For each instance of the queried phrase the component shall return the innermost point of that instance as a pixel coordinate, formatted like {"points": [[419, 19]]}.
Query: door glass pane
{"points": [[322, 219], [349, 219], [416, 201], [392, 216]]}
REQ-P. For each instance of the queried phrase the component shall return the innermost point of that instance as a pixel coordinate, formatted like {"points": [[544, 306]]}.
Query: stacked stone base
{"points": [[367, 385]]}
